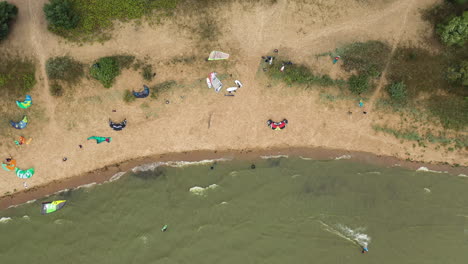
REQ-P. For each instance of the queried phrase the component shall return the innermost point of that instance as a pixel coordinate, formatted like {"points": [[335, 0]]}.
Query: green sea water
{"points": [[286, 210]]}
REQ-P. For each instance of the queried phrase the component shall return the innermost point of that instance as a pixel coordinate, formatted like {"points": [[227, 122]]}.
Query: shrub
{"points": [[160, 88], [358, 83], [128, 96], [64, 68], [459, 74], [105, 70], [455, 31], [17, 76], [148, 72], [61, 15], [397, 91], [29, 81], [8, 12], [364, 57], [451, 111], [56, 90]]}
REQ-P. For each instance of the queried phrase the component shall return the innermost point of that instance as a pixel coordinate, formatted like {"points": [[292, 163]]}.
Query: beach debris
{"points": [[343, 157], [197, 190], [142, 94], [26, 103], [282, 68], [24, 174], [164, 228], [335, 60], [10, 165], [50, 207], [65, 159], [21, 124], [167, 101], [80, 146], [25, 185], [277, 125], [214, 82], [232, 89], [218, 55], [118, 126], [100, 139], [427, 190], [275, 50]]}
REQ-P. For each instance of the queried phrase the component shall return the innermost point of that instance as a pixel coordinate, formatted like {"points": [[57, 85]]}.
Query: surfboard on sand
{"points": [[238, 83], [232, 89]]}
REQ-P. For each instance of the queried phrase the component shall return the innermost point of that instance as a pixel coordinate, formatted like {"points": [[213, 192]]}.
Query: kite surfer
{"points": [[364, 250]]}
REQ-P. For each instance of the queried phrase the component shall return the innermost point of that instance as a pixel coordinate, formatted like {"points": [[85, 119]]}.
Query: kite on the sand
{"points": [[277, 125], [10, 166], [143, 93], [21, 124], [24, 174], [26, 103], [50, 207], [218, 55], [101, 139], [118, 126]]}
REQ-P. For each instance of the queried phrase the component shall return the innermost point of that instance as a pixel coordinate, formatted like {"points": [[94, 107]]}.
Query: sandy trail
{"points": [[396, 41]]}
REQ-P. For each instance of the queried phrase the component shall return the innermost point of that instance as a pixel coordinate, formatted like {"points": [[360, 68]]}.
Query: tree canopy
{"points": [[61, 15], [8, 12], [455, 31]]}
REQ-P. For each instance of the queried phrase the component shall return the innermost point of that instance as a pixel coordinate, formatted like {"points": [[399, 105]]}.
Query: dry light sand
{"points": [[197, 118]]}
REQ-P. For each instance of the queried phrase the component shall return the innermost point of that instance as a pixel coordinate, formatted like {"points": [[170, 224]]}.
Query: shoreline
{"points": [[107, 172]]}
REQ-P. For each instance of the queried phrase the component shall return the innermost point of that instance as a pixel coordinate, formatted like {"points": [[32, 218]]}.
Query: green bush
{"points": [[105, 70], [64, 68], [358, 83], [148, 72], [397, 91], [455, 31], [452, 111], [29, 80], [459, 74], [61, 15], [56, 90], [8, 12], [17, 76], [128, 96]]}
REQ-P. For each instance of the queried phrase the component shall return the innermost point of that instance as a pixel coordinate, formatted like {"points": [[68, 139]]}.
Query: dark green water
{"points": [[284, 211]]}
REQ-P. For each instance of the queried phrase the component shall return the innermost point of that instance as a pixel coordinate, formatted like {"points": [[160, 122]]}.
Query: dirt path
{"points": [[396, 41], [37, 44]]}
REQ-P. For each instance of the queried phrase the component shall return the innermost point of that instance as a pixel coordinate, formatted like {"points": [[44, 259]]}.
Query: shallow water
{"points": [[286, 210]]}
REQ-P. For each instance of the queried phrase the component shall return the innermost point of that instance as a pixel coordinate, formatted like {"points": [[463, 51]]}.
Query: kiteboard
{"points": [[50, 207], [209, 83], [232, 89], [238, 83]]}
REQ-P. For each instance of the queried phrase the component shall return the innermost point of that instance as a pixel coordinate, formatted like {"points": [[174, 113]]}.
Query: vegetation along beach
{"points": [[235, 128]]}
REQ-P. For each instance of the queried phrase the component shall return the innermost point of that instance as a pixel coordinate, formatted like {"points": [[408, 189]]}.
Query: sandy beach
{"points": [[198, 123]]}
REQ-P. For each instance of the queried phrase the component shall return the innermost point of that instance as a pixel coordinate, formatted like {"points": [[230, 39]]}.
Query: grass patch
{"points": [[148, 72], [96, 17], [300, 74], [64, 68], [459, 142], [128, 96], [56, 90], [17, 77], [160, 88], [450, 110], [106, 69], [359, 84], [366, 58]]}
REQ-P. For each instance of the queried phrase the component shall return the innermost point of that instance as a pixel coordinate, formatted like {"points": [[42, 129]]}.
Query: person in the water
{"points": [[364, 250]]}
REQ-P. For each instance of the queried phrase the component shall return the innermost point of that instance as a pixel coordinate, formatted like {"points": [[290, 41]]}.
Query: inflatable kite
{"points": [[26, 103], [10, 166], [50, 207], [143, 93], [118, 126], [24, 174], [21, 124], [101, 139], [277, 125]]}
